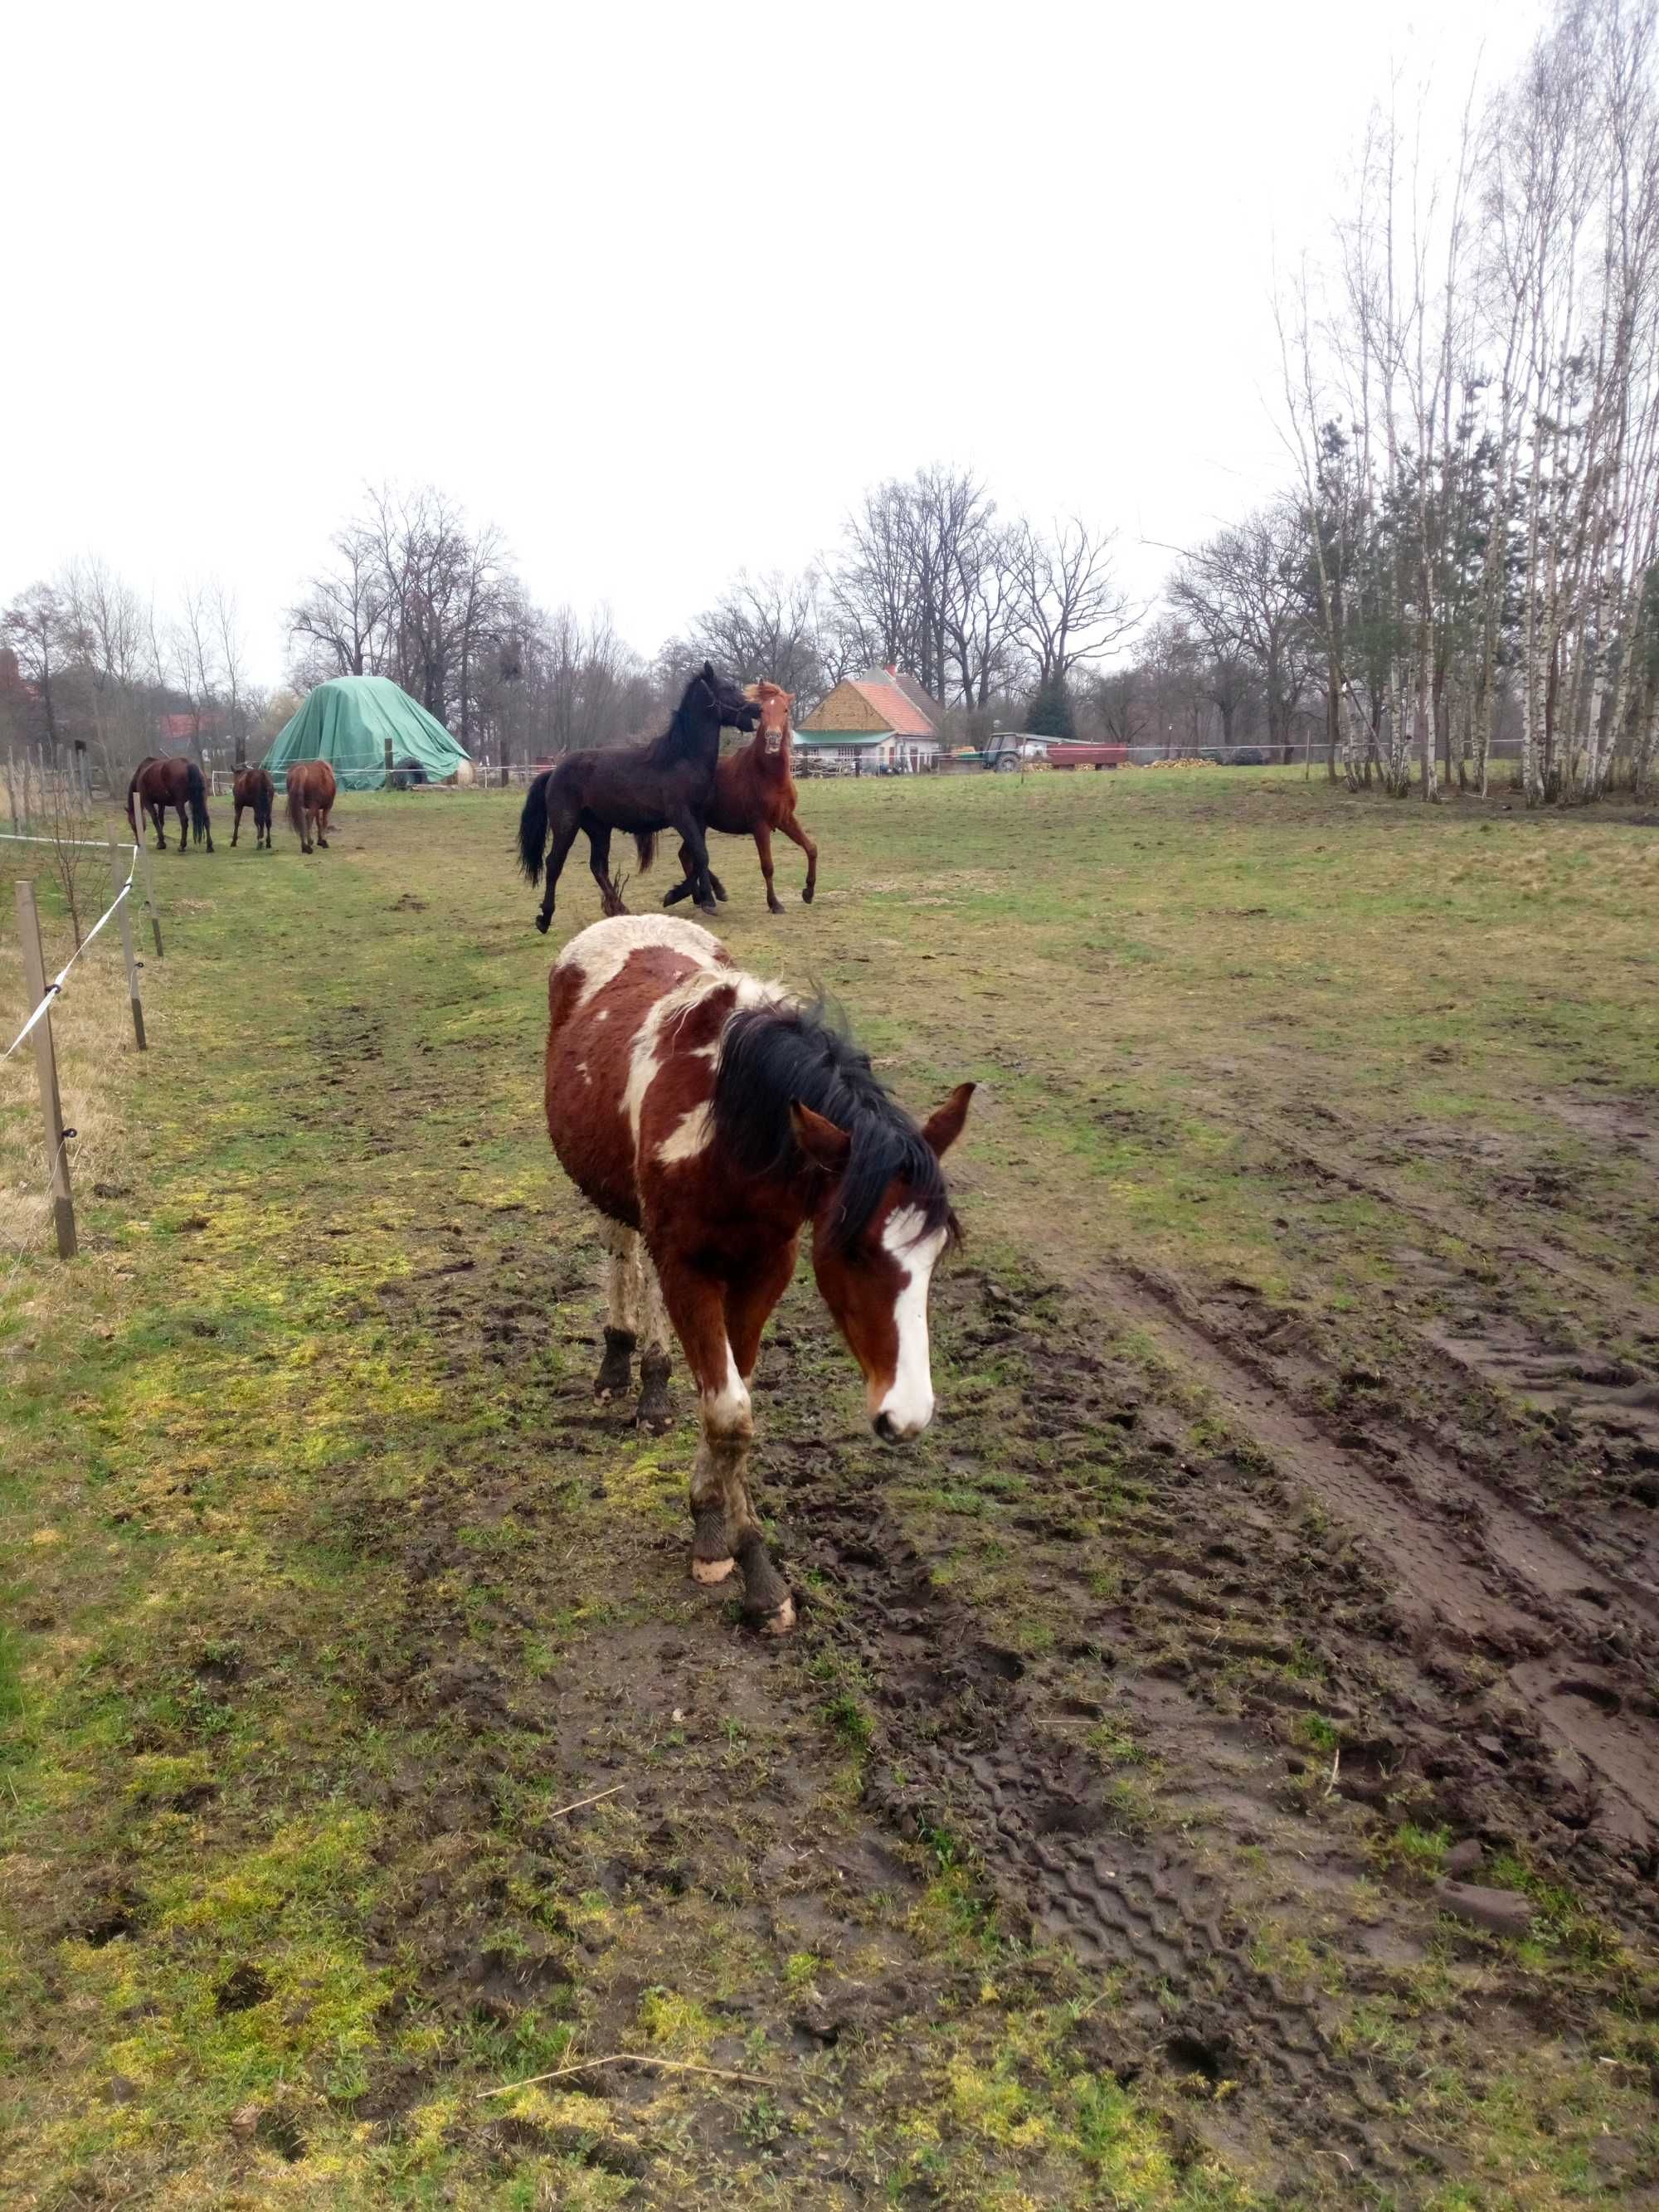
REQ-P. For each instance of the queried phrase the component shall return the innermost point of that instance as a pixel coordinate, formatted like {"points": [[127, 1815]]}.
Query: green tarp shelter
{"points": [[347, 723]]}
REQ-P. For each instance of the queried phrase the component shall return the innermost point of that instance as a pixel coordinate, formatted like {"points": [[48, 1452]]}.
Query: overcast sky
{"points": [[658, 290]]}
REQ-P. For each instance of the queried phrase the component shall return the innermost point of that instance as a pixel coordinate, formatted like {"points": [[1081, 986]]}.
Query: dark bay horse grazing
{"points": [[158, 784], [709, 1117], [310, 801], [253, 787], [666, 784], [754, 794]]}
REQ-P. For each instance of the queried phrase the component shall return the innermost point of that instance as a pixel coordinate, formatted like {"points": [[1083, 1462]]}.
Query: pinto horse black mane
{"points": [[774, 1057]]}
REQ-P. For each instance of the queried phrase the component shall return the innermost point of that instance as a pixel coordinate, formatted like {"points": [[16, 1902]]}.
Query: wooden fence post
{"points": [[388, 760], [149, 886], [46, 1068], [124, 918]]}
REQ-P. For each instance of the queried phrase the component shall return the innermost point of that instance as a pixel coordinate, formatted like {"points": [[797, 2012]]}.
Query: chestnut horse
{"points": [[664, 785], [709, 1117], [310, 801], [158, 784], [754, 794], [253, 787]]}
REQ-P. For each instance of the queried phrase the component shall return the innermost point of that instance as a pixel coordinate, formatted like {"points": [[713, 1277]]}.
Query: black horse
{"points": [[668, 784]]}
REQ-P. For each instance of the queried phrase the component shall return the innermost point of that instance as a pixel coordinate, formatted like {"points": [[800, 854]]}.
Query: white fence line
{"points": [[58, 982]]}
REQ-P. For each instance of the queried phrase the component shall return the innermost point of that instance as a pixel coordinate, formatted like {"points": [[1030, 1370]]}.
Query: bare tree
{"points": [[342, 612], [34, 627], [1071, 607], [769, 626]]}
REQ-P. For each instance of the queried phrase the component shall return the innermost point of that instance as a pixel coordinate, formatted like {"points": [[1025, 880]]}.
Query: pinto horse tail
{"points": [[196, 791], [533, 827], [645, 844]]}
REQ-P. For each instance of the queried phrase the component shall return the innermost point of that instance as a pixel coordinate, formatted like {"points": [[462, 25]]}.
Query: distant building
{"points": [[884, 722]]}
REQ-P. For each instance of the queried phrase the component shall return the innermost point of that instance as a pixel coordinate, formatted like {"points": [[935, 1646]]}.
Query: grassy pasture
{"points": [[1083, 1847]]}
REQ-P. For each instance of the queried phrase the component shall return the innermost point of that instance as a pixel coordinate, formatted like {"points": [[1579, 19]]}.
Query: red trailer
{"points": [[1062, 753]]}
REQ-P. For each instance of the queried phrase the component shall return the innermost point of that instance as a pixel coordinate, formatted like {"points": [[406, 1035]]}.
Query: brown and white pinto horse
{"points": [[158, 784], [754, 794], [709, 1117], [253, 787], [310, 801]]}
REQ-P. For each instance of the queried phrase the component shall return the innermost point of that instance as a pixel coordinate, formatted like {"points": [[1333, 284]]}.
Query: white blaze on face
{"points": [[909, 1402]]}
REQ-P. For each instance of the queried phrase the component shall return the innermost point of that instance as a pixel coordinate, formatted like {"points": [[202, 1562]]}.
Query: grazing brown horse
{"points": [[664, 785], [754, 794], [158, 784], [310, 801], [253, 787], [709, 1117]]}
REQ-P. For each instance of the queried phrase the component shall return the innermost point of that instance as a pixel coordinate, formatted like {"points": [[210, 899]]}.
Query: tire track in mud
{"points": [[967, 1761], [1460, 1554]]}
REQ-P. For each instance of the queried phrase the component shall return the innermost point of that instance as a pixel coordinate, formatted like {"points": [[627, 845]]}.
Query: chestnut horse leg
{"points": [[791, 828], [157, 814], [622, 1311], [183, 826], [724, 1528], [763, 847], [321, 830], [236, 826]]}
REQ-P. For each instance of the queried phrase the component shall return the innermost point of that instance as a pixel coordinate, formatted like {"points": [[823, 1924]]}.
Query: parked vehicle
{"points": [[1063, 753]]}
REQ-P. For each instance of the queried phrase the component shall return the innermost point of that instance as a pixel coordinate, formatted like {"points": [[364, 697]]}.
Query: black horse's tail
{"points": [[645, 844], [533, 827], [196, 791]]}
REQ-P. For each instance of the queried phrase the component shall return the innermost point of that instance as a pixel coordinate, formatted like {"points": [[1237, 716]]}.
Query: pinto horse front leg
{"points": [[622, 1314], [725, 1531]]}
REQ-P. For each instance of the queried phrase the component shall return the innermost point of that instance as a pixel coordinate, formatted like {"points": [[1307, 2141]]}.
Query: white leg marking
{"points": [[654, 1314], [622, 1278], [726, 1412], [909, 1400]]}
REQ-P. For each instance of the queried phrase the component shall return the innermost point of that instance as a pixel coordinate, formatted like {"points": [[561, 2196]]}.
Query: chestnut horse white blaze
{"points": [[709, 1117]]}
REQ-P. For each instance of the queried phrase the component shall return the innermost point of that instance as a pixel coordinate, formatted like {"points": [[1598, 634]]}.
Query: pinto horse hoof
{"points": [[781, 1621], [711, 910], [710, 1571]]}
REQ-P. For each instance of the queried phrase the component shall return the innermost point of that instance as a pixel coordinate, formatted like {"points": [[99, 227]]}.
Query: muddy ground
{"points": [[1220, 1766]]}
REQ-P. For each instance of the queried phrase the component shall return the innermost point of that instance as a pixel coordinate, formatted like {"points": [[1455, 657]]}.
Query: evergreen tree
{"points": [[1049, 714]]}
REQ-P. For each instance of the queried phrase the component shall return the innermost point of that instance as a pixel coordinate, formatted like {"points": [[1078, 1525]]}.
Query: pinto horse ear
{"points": [[824, 1145], [942, 1128]]}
